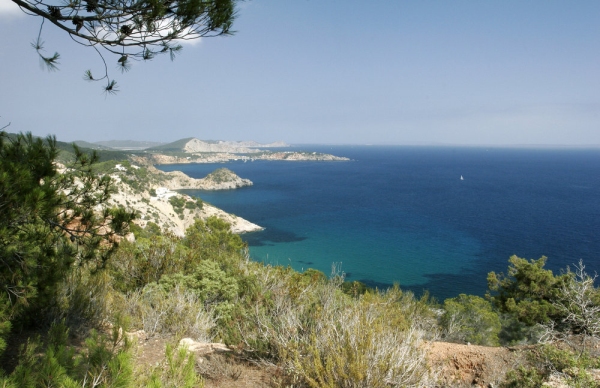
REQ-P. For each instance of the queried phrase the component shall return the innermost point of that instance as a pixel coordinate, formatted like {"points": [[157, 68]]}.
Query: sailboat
{"points": [[461, 178]]}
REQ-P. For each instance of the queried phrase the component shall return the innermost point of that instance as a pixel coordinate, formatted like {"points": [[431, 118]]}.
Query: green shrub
{"points": [[106, 361], [469, 318], [527, 291], [523, 377], [147, 260], [177, 371], [179, 311], [546, 360], [5, 324], [325, 338]]}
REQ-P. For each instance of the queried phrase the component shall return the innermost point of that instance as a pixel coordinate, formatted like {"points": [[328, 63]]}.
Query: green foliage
{"points": [[178, 312], [212, 284], [355, 288], [105, 361], [151, 229], [140, 31], [48, 222], [326, 338], [527, 291], [220, 175], [178, 204], [147, 260], [546, 360], [176, 372], [469, 318], [5, 324], [523, 377], [194, 204], [213, 239]]}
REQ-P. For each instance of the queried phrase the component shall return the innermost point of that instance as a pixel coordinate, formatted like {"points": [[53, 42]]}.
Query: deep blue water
{"points": [[402, 214]]}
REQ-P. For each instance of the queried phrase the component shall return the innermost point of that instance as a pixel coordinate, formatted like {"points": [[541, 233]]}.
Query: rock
{"points": [[555, 381], [137, 335], [203, 348]]}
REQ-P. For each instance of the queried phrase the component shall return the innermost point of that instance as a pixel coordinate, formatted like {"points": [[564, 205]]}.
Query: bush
{"points": [[177, 371], [179, 311], [469, 318], [527, 291], [325, 338], [549, 360], [147, 260], [103, 361]]}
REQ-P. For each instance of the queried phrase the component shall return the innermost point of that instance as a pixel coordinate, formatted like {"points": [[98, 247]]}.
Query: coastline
{"points": [[221, 157], [151, 198]]}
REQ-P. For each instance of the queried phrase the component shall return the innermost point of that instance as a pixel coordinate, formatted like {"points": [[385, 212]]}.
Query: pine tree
{"points": [[50, 220]]}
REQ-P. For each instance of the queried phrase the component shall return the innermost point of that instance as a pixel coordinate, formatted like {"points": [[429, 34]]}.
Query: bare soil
{"points": [[459, 365], [472, 365]]}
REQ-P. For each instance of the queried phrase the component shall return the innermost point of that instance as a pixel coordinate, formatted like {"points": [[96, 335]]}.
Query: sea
{"points": [[435, 219]]}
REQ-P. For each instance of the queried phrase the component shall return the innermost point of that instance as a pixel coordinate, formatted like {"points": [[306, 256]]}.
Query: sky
{"points": [[387, 72]]}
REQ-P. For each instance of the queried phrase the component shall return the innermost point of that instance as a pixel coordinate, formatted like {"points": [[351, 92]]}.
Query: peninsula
{"points": [[151, 194]]}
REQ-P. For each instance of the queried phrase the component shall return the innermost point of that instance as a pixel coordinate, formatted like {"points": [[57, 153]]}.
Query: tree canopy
{"points": [[130, 29], [50, 221]]}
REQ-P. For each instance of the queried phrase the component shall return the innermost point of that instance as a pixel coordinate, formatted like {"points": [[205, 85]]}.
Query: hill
{"points": [[176, 146], [151, 193], [128, 144], [92, 146], [193, 145]]}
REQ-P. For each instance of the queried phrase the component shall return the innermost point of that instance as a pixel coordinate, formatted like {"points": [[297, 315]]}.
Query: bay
{"points": [[403, 215]]}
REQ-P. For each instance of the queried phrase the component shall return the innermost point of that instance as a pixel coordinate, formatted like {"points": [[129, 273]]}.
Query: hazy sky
{"points": [[330, 71]]}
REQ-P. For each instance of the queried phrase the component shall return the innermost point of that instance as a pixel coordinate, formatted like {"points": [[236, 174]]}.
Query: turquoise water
{"points": [[402, 214]]}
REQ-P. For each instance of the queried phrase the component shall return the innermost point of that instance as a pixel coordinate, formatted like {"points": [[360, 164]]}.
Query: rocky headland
{"points": [[220, 179], [197, 151], [151, 193]]}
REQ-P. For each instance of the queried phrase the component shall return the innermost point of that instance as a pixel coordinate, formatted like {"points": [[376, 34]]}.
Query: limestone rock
{"points": [[203, 348]]}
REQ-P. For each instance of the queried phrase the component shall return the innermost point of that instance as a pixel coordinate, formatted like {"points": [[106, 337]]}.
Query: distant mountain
{"points": [[93, 146], [176, 146], [66, 154], [193, 145], [253, 144], [128, 144]]}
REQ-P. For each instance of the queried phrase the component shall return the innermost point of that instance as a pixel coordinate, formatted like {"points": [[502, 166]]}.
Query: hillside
{"points": [[193, 145], [150, 193], [91, 146], [127, 144], [185, 306]]}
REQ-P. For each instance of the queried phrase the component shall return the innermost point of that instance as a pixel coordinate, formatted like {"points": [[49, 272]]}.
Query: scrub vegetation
{"points": [[71, 290]]}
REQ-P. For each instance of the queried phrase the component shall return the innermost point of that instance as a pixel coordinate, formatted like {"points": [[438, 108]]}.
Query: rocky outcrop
{"points": [[162, 212], [221, 179], [202, 348]]}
